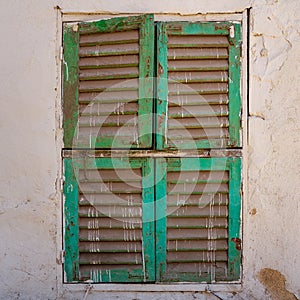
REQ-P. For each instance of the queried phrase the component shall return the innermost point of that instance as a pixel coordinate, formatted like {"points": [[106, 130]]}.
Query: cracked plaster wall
{"points": [[30, 226]]}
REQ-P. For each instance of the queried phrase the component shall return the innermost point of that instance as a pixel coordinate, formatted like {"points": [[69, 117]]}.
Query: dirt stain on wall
{"points": [[274, 283]]}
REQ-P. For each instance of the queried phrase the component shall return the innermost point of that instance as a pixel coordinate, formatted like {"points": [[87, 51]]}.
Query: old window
{"points": [[145, 197]]}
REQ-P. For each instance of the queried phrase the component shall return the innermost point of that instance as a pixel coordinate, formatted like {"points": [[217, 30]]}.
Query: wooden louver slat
{"points": [[92, 80], [195, 71]]}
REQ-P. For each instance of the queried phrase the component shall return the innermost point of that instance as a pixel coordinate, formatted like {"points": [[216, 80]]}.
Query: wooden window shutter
{"points": [[198, 89], [150, 216], [198, 219], [109, 217], [108, 83]]}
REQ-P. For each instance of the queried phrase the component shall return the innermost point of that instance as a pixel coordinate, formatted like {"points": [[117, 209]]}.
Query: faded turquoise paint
{"points": [[114, 24], [109, 163], [148, 219], [235, 188], [70, 83], [116, 276], [71, 264], [198, 164], [162, 87], [204, 28], [71, 192], [161, 218], [146, 72], [198, 144], [234, 83]]}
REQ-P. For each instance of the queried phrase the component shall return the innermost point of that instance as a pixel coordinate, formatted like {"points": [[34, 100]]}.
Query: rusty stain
{"points": [[253, 211], [175, 27], [148, 66], [274, 282], [238, 243], [221, 26]]}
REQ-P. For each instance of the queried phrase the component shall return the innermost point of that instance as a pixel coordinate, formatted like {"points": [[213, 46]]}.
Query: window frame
{"points": [[236, 144]]}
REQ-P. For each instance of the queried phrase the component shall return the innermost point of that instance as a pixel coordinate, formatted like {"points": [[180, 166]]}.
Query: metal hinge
{"points": [[61, 184], [61, 259], [62, 256], [61, 53]]}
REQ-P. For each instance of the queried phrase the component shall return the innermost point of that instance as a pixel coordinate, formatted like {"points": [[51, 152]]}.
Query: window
{"points": [[145, 104]]}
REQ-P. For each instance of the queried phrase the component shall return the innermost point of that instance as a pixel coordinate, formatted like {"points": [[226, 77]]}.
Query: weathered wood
{"points": [[70, 83], [152, 153]]}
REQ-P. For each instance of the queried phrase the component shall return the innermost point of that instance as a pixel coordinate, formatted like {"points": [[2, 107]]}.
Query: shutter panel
{"points": [[198, 212], [198, 85], [109, 218], [108, 90]]}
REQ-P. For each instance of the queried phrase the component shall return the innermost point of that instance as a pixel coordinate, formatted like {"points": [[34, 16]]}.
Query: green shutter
{"points": [[109, 220], [108, 83], [70, 83], [151, 219], [71, 264], [198, 67], [198, 211]]}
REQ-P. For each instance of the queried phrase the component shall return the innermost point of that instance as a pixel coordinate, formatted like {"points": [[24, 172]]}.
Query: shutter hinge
{"points": [[61, 184], [62, 256], [61, 259], [61, 122], [61, 53]]}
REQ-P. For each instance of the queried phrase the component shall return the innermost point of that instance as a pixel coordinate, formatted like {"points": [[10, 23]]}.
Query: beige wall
{"points": [[30, 139]]}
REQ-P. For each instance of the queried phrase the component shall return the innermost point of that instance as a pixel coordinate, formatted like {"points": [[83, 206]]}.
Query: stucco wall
{"points": [[30, 139]]}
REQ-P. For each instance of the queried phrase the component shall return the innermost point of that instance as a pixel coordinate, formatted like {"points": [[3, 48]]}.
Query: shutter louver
{"points": [[111, 223], [112, 102], [198, 206], [201, 84]]}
